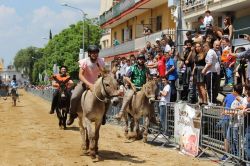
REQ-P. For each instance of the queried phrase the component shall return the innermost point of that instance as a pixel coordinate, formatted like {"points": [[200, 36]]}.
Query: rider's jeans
{"points": [[76, 97]]}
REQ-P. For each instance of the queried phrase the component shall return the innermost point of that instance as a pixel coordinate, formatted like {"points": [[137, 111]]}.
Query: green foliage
{"points": [[25, 59], [62, 49]]}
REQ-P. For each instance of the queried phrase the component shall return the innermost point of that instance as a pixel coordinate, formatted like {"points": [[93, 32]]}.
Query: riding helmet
{"points": [[93, 48], [141, 56]]}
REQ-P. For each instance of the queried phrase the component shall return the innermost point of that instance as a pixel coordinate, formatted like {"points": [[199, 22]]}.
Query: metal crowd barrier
{"points": [[46, 94], [224, 131]]}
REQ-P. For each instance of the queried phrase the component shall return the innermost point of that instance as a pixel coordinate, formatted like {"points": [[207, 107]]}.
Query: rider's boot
{"points": [[71, 119]]}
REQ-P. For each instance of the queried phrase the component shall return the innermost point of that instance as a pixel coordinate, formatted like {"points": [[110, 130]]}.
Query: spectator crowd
{"points": [[207, 63]]}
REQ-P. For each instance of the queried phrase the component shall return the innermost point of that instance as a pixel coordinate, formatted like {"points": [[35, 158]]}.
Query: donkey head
{"points": [[110, 88], [149, 90]]}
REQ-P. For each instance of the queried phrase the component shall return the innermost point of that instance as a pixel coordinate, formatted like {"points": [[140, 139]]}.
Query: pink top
{"points": [[91, 69]]}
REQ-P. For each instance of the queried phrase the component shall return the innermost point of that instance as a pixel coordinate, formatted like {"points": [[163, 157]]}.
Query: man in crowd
{"points": [[210, 71], [90, 69]]}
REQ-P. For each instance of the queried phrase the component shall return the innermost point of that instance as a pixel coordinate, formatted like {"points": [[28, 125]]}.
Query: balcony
{"points": [[134, 45], [195, 8], [116, 10], [127, 9]]}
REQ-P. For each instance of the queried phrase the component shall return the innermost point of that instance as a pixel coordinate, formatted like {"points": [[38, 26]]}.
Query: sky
{"points": [[25, 23]]}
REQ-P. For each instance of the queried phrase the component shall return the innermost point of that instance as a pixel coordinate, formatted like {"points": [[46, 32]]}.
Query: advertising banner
{"points": [[187, 128]]}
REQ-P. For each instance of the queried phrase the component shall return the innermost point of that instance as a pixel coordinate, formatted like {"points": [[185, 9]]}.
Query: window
{"points": [[158, 23], [220, 21], [130, 33], [122, 35]]}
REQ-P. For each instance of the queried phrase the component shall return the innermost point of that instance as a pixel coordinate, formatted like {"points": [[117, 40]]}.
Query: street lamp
{"points": [[46, 76], [83, 19]]}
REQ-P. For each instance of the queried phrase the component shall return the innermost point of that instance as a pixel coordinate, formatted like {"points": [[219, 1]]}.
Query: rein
{"points": [[98, 97], [108, 97]]}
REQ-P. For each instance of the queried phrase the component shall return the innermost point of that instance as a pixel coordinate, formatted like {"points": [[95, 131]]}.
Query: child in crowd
{"points": [[164, 98], [224, 122]]}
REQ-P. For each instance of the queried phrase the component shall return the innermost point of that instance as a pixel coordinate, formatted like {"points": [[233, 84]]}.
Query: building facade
{"points": [[126, 20], [238, 10]]}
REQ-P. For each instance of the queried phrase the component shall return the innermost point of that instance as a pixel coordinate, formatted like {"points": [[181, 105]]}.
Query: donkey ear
{"points": [[105, 72]]}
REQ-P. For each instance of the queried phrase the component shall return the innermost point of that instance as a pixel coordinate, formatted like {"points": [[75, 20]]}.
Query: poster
{"points": [[187, 128]]}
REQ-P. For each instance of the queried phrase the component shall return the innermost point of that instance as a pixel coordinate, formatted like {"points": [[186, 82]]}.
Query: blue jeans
{"points": [[229, 75], [232, 137], [247, 143], [163, 119], [223, 123]]}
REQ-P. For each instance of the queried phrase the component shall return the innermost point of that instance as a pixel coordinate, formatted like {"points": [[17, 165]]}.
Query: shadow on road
{"points": [[111, 155], [18, 106], [73, 128]]}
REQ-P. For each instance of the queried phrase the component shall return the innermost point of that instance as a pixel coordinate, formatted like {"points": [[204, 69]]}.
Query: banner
{"points": [[187, 128]]}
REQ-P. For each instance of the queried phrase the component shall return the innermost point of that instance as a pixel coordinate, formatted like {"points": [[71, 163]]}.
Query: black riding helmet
{"points": [[93, 48], [141, 56]]}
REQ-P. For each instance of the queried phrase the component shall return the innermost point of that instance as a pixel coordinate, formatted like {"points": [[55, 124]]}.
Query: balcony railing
{"points": [[189, 4], [119, 49], [116, 10], [136, 44]]}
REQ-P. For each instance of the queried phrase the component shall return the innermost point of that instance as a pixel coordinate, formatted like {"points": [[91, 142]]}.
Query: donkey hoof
{"points": [[84, 153], [93, 157]]}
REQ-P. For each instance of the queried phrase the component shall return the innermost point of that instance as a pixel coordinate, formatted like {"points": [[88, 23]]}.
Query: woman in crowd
{"points": [[199, 61], [228, 30]]}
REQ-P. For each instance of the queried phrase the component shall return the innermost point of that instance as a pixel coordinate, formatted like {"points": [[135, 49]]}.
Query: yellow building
{"points": [[125, 21], [1, 64]]}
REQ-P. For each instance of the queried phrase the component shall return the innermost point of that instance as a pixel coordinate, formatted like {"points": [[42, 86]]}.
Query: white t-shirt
{"points": [[208, 20], [165, 99], [123, 69], [152, 70], [211, 58], [91, 70], [167, 48]]}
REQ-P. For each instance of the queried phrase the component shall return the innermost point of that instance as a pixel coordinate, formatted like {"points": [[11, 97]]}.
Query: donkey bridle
{"points": [[107, 96]]}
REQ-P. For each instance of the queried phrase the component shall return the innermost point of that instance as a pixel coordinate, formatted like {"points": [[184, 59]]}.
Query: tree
{"points": [[50, 34], [62, 49], [25, 59]]}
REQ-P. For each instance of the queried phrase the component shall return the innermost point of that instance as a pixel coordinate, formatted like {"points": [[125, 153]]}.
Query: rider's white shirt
{"points": [[91, 70]]}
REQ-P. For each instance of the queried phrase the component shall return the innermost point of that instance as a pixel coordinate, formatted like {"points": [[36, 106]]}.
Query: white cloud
{"points": [[18, 32], [9, 21], [91, 7]]}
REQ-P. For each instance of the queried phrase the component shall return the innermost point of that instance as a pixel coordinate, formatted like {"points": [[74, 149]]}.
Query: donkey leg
{"points": [[126, 125], [137, 130], [91, 136], [58, 116], [133, 134], [145, 132], [65, 118], [83, 136], [97, 129], [132, 124]]}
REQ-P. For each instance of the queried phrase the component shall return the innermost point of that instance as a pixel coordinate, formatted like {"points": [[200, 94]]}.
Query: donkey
{"points": [[94, 106], [63, 102], [14, 95], [141, 105]]}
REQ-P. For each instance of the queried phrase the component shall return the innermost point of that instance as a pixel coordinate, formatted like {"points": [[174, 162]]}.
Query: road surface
{"points": [[31, 136]]}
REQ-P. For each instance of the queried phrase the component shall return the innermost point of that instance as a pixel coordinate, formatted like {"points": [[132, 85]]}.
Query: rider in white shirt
{"points": [[14, 85]]}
